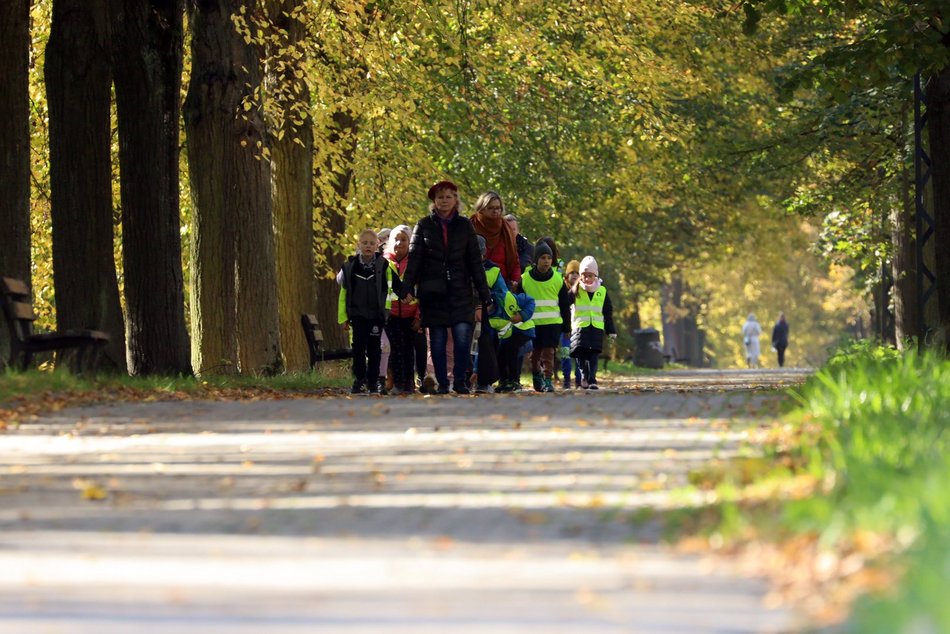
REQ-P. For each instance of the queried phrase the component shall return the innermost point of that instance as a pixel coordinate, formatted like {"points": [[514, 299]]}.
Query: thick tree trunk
{"points": [[234, 300], [938, 113], [331, 206], [14, 147], [292, 164], [78, 81], [148, 66]]}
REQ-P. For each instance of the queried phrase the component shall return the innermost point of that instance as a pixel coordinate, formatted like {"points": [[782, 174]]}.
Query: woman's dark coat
{"points": [[442, 274]]}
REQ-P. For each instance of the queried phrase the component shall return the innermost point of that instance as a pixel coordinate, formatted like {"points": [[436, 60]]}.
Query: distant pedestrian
{"points": [[403, 323], [751, 331], [780, 338]]}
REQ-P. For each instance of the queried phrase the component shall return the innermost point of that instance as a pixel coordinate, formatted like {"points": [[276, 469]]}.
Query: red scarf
{"points": [[495, 230]]}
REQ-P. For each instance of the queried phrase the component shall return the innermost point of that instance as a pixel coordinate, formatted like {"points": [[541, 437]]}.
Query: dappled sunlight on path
{"points": [[375, 514]]}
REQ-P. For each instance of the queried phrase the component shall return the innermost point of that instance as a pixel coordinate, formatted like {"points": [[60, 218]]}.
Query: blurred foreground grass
{"points": [[859, 475]]}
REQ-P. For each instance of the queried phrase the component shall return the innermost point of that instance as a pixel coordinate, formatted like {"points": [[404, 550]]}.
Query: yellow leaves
{"points": [[90, 489]]}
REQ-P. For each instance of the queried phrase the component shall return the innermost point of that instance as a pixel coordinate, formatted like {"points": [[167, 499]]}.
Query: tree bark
{"points": [[78, 82], [292, 164], [14, 147], [147, 58], [331, 205], [938, 117], [234, 300]]}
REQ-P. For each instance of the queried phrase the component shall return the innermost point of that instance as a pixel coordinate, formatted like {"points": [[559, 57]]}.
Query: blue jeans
{"points": [[462, 340]]}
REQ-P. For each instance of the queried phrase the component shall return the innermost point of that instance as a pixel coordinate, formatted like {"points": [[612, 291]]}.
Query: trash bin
{"points": [[649, 351]]}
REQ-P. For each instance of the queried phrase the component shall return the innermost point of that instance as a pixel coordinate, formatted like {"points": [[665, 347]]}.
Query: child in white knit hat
{"points": [[591, 319]]}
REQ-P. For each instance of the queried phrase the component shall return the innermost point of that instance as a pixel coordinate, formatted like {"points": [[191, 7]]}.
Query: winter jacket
{"points": [[591, 337], [780, 334], [443, 266], [525, 252], [383, 277]]}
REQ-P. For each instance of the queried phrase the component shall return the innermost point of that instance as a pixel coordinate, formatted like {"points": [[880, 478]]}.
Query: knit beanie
{"points": [[589, 265], [540, 249], [482, 245], [572, 267]]}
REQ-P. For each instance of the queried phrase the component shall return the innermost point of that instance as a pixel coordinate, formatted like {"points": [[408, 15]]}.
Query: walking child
{"points": [[488, 339], [515, 328], [592, 319], [365, 285], [572, 273], [551, 316], [403, 323]]}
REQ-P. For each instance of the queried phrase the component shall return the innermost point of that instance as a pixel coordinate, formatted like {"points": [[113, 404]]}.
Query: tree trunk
{"points": [[234, 300], [331, 205], [78, 81], [148, 66], [14, 147], [938, 115], [674, 333], [292, 164]]}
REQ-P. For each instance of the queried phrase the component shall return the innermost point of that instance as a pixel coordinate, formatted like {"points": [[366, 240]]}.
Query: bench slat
{"points": [[14, 286], [22, 310]]}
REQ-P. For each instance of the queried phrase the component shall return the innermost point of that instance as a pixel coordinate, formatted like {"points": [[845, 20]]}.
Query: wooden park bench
{"points": [[24, 343], [311, 330]]}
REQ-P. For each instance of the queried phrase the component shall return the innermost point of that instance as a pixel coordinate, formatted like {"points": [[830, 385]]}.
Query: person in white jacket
{"points": [[751, 331]]}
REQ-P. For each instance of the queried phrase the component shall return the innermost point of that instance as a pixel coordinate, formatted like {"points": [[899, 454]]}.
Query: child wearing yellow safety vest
{"points": [[551, 315], [365, 286], [515, 327], [591, 319]]}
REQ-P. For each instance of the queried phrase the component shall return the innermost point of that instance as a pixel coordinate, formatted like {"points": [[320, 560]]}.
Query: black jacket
{"points": [[442, 273], [780, 334], [525, 252], [380, 267]]}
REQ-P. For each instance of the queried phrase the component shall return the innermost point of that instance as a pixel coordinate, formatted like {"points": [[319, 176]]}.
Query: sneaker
{"points": [[504, 387], [593, 386], [376, 388], [442, 389], [484, 389], [566, 384], [548, 385], [516, 386], [537, 381], [428, 385], [461, 388], [358, 387]]}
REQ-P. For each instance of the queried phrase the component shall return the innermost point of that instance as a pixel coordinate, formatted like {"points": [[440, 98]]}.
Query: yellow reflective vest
{"points": [[545, 294], [589, 309]]}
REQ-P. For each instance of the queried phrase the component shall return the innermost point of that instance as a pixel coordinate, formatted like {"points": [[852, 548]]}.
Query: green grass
{"points": [[45, 382], [884, 442], [875, 431]]}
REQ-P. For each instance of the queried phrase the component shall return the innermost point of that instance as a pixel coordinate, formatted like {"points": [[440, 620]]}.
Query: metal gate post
{"points": [[926, 279]]}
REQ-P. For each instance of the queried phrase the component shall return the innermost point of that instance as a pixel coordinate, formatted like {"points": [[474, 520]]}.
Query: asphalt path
{"points": [[500, 513]]}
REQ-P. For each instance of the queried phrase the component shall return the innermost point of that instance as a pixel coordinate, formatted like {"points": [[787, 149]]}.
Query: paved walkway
{"points": [[377, 515]]}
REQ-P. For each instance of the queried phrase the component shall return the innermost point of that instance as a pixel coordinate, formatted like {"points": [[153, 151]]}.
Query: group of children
{"points": [[556, 311]]}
